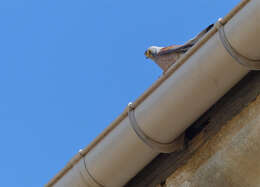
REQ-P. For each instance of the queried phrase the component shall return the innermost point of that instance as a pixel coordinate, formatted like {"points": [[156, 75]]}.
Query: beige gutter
{"points": [[114, 124]]}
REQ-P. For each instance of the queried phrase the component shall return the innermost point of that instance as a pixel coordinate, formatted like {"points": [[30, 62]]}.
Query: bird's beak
{"points": [[146, 53]]}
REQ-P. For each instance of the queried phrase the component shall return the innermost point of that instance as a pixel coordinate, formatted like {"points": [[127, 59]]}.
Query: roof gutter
{"points": [[164, 111]]}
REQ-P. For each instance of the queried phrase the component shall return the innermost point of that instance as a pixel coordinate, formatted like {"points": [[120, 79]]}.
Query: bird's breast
{"points": [[165, 61]]}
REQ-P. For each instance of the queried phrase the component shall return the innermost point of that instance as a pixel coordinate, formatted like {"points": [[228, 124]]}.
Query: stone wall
{"points": [[229, 159]]}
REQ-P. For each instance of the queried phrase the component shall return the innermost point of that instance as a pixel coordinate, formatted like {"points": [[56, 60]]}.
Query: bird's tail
{"points": [[200, 35], [208, 28]]}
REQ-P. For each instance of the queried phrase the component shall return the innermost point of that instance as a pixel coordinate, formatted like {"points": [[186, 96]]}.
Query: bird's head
{"points": [[152, 51]]}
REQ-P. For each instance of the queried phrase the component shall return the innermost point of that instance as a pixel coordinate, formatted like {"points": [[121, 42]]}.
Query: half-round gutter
{"points": [[164, 111]]}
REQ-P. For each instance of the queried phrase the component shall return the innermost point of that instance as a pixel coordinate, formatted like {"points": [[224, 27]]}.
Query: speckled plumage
{"points": [[165, 61]]}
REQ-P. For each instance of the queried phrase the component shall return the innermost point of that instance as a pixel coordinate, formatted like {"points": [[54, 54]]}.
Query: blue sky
{"points": [[69, 68]]}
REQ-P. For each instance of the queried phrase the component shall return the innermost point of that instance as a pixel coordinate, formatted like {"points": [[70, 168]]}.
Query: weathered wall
{"points": [[222, 147], [231, 158]]}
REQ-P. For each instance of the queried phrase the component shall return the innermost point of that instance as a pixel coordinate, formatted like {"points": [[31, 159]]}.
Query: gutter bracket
{"points": [[153, 144], [250, 64], [87, 176]]}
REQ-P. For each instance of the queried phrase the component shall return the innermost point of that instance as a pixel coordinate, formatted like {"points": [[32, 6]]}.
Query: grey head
{"points": [[152, 52]]}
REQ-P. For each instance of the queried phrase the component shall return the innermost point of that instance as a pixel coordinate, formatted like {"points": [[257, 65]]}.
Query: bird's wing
{"points": [[183, 48], [200, 35], [174, 49]]}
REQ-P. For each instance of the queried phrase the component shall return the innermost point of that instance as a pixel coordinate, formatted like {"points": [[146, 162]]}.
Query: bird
{"points": [[164, 57]]}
